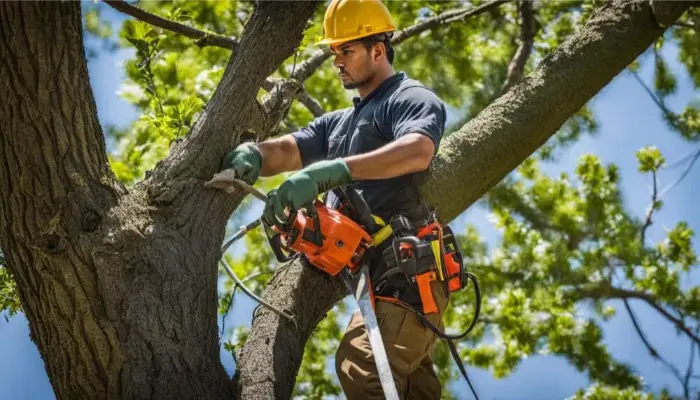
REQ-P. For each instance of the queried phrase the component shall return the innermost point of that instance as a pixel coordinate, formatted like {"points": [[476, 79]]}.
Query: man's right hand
{"points": [[246, 161]]}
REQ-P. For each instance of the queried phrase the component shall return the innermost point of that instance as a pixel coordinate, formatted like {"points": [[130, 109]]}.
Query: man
{"points": [[391, 132]]}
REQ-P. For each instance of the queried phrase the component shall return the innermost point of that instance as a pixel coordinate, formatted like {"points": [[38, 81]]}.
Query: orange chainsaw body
{"points": [[341, 243]]}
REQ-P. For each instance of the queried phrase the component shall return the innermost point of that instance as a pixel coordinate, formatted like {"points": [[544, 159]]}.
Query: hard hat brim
{"points": [[333, 42]]}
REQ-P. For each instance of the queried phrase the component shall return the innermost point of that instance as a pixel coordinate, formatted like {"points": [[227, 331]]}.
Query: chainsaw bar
{"points": [[358, 286]]}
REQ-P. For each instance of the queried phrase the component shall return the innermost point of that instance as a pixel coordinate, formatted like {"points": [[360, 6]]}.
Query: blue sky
{"points": [[628, 121]]}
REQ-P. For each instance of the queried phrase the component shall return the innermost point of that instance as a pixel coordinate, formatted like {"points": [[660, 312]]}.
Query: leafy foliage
{"points": [[9, 300], [602, 392], [564, 243]]}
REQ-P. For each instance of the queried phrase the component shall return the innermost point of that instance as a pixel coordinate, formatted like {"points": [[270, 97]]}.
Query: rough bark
{"points": [[119, 287], [469, 163], [56, 190], [269, 361]]}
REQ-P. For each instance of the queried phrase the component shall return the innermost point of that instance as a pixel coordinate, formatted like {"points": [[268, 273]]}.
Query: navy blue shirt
{"points": [[398, 106]]}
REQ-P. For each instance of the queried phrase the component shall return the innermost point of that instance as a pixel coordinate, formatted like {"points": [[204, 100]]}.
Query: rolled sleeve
{"points": [[418, 110], [312, 141]]}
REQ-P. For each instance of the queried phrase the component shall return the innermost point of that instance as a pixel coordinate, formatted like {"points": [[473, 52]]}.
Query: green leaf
{"points": [[664, 80], [9, 299], [650, 159]]}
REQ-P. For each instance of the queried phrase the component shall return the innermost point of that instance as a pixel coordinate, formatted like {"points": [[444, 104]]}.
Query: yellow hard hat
{"points": [[347, 20]]}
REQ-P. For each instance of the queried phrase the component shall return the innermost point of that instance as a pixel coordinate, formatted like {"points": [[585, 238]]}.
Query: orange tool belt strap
{"points": [[426, 295], [424, 280]]}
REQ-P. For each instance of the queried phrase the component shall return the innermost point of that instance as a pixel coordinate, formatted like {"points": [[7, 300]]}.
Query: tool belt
{"points": [[406, 257], [411, 257]]}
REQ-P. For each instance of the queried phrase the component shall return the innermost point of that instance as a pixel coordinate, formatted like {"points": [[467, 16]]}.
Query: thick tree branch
{"points": [[312, 104], [303, 96], [310, 65], [471, 162], [272, 33], [526, 40], [202, 38], [515, 125], [664, 16], [56, 195]]}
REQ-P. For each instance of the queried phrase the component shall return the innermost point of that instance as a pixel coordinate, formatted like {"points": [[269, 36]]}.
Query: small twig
{"points": [[679, 324], [228, 308], [683, 174], [652, 207], [648, 345], [252, 295], [202, 38], [253, 276], [659, 102], [445, 18], [678, 162], [689, 371], [526, 39]]}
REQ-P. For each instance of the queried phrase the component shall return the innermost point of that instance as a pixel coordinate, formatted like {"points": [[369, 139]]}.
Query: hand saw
{"points": [[358, 286]]}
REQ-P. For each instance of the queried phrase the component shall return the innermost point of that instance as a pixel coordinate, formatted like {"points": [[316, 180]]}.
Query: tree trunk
{"points": [[119, 287], [469, 163], [56, 190]]}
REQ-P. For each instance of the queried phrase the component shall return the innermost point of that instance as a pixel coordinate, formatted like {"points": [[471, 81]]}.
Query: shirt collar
{"points": [[399, 76]]}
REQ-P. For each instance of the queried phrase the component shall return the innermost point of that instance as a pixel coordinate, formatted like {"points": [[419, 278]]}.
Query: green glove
{"points": [[246, 160], [303, 187]]}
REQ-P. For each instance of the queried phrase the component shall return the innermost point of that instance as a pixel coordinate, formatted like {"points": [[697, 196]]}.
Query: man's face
{"points": [[354, 64]]}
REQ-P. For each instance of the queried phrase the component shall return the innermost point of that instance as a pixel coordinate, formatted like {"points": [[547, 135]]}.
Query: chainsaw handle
{"points": [[276, 239], [358, 203], [276, 244]]}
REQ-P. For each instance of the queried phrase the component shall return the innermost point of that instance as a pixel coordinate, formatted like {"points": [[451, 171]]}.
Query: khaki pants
{"points": [[409, 346]]}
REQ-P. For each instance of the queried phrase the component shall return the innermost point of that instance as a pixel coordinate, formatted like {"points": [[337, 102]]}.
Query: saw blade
{"points": [[359, 287]]}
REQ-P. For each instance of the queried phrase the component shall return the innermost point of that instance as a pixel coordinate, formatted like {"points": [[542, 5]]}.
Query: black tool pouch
{"points": [[397, 264]]}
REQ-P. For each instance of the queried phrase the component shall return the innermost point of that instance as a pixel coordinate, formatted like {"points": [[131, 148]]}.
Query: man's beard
{"points": [[357, 84]]}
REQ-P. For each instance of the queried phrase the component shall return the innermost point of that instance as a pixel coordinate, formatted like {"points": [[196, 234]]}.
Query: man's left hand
{"points": [[302, 188]]}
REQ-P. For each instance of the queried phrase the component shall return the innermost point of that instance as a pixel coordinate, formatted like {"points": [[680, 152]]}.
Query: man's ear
{"points": [[379, 51]]}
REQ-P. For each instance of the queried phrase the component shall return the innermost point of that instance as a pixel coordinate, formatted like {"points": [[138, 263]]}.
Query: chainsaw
{"points": [[331, 240]]}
